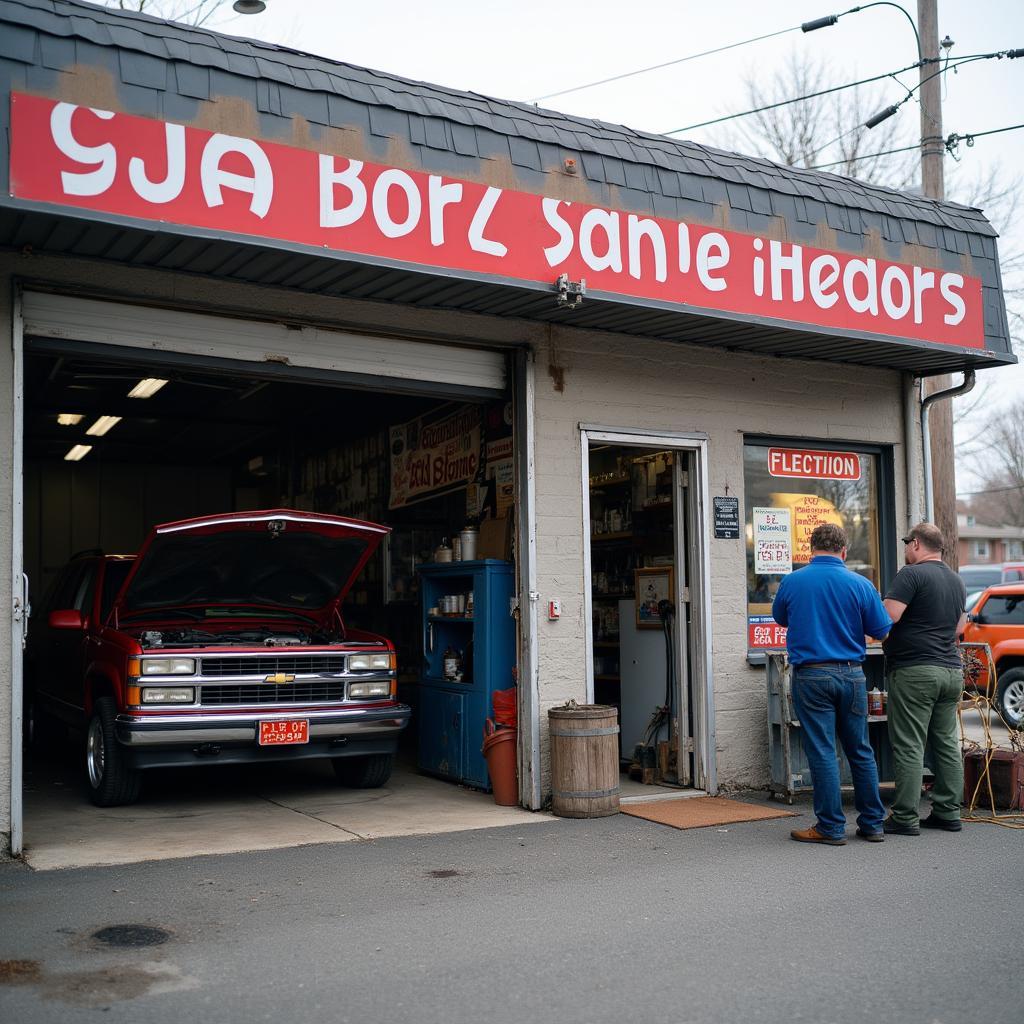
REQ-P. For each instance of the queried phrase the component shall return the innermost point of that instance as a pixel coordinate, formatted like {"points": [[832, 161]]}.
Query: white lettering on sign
{"points": [[440, 195], [259, 184], [169, 189], [813, 465], [608, 225], [477, 242], [103, 158], [382, 188], [559, 252], [330, 215], [128, 166], [712, 255]]}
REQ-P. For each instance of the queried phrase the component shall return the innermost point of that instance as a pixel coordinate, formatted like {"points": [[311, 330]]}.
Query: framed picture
{"points": [[652, 586]]}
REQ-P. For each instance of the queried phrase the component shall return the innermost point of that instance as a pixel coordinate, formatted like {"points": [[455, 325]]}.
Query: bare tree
{"points": [[826, 131], [188, 12], [998, 448]]}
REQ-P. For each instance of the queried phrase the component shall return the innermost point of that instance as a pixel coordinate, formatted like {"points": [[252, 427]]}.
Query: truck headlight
{"points": [[364, 662], [168, 666], [378, 689], [168, 695]]}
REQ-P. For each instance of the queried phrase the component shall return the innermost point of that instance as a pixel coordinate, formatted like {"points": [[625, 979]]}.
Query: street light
{"points": [[249, 6]]}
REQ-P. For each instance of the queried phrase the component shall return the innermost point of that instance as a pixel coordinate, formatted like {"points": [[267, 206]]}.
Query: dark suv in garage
{"points": [[222, 641]]}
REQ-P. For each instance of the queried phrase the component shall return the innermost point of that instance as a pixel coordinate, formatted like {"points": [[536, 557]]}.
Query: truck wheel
{"points": [[1011, 697], [112, 780], [367, 772]]}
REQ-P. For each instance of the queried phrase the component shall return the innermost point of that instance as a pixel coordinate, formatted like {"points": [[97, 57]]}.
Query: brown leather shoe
{"points": [[812, 835]]}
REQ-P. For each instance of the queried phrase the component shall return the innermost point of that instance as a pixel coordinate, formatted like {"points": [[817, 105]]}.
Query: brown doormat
{"points": [[702, 811]]}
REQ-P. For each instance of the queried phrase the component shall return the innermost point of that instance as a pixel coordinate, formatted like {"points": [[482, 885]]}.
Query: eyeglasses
{"points": [[908, 540]]}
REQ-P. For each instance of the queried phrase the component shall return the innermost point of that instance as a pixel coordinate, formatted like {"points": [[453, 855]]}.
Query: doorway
{"points": [[646, 590]]}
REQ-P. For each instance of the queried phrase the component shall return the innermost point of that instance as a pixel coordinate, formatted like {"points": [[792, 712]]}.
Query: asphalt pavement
{"points": [[605, 920]]}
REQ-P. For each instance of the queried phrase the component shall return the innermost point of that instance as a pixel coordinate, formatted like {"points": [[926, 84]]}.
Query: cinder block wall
{"points": [[614, 381]]}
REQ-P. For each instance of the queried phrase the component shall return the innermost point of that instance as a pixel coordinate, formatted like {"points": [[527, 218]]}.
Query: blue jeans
{"points": [[829, 702]]}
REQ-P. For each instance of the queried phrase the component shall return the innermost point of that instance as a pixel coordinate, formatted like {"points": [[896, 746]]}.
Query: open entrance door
{"points": [[646, 595]]}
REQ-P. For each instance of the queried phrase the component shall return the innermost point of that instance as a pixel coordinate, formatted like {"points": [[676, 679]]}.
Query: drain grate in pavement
{"points": [[131, 935], [444, 873]]}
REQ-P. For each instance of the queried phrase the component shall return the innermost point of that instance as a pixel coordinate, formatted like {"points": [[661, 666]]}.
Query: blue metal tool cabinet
{"points": [[790, 771], [452, 714]]}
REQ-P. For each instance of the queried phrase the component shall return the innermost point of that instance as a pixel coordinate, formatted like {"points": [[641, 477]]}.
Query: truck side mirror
{"points": [[66, 618]]}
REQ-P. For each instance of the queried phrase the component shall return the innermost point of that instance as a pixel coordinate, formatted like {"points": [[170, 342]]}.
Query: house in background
{"points": [[981, 543]]}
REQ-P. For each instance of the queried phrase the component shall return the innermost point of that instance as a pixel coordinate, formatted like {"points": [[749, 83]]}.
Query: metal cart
{"points": [[790, 771]]}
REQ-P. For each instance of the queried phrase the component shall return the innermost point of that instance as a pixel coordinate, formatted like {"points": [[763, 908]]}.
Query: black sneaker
{"points": [[946, 824], [871, 837], [891, 827]]}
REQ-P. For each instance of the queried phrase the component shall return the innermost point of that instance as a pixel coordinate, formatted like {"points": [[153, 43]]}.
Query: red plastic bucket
{"points": [[505, 706], [500, 752]]}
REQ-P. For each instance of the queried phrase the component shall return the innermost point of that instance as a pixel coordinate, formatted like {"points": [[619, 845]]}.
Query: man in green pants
{"points": [[925, 680]]}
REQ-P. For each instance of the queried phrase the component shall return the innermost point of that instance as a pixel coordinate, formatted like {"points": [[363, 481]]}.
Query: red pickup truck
{"points": [[222, 641]]}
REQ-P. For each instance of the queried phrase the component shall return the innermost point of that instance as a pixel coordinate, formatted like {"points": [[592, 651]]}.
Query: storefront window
{"points": [[789, 491]]}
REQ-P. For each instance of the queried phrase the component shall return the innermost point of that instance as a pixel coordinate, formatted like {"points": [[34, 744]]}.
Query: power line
{"points": [[991, 490], [666, 64], [947, 64], [866, 156], [795, 99], [950, 143]]}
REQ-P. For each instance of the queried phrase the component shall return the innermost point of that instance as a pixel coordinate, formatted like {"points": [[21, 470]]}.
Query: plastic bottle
{"points": [[874, 701]]}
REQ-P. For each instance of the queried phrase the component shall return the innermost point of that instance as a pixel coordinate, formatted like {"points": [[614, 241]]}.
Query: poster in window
{"points": [[773, 542], [652, 586]]}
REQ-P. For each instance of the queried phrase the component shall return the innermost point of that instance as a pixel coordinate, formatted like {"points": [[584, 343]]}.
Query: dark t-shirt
{"points": [[935, 597]]}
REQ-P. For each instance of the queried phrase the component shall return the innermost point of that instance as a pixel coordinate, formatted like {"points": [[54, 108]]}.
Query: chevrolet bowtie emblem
{"points": [[279, 677]]}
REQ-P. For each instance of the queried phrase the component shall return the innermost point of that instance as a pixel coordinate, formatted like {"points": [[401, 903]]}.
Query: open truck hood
{"points": [[242, 563]]}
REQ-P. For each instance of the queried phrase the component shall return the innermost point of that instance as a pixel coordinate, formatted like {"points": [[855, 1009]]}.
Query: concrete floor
{"points": [[236, 809]]}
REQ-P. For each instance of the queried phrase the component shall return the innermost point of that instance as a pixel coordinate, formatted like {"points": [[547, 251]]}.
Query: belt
{"points": [[829, 664]]}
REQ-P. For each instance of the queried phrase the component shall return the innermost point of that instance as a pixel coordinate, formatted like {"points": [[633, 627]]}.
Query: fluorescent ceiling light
{"points": [[147, 387], [78, 452], [69, 419], [102, 425]]}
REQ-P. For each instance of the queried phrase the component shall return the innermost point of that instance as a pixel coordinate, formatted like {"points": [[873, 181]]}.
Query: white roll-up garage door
{"points": [[364, 360]]}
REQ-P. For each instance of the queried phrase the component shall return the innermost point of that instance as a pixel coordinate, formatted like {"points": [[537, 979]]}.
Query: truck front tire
{"points": [[111, 778], [369, 771]]}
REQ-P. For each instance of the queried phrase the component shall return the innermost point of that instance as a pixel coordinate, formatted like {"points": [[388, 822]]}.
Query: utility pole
{"points": [[934, 187]]}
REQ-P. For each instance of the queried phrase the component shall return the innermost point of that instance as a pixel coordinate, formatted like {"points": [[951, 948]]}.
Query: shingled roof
{"points": [[170, 71]]}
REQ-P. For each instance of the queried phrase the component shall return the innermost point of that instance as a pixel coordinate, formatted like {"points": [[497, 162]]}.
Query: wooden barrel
{"points": [[584, 760]]}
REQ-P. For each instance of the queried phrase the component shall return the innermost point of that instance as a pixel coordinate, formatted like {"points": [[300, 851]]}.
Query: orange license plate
{"points": [[290, 730]]}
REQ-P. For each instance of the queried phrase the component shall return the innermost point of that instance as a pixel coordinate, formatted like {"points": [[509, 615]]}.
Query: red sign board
{"points": [[765, 634], [809, 464], [150, 170]]}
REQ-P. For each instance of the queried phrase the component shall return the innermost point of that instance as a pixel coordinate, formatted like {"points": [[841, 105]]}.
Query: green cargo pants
{"points": [[922, 710]]}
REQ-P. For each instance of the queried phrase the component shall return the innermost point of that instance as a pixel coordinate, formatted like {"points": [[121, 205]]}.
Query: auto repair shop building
{"points": [[698, 355]]}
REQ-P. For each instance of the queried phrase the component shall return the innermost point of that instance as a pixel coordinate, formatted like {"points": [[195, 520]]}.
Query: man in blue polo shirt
{"points": [[828, 611]]}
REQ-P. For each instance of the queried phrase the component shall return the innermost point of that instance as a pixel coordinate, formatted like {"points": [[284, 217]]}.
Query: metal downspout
{"points": [[911, 437], [926, 439]]}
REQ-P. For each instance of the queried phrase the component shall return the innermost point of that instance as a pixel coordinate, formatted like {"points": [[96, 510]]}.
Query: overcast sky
{"points": [[529, 49]]}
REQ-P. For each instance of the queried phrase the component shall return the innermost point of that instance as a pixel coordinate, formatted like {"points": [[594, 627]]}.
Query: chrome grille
{"points": [[268, 664], [324, 691]]}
